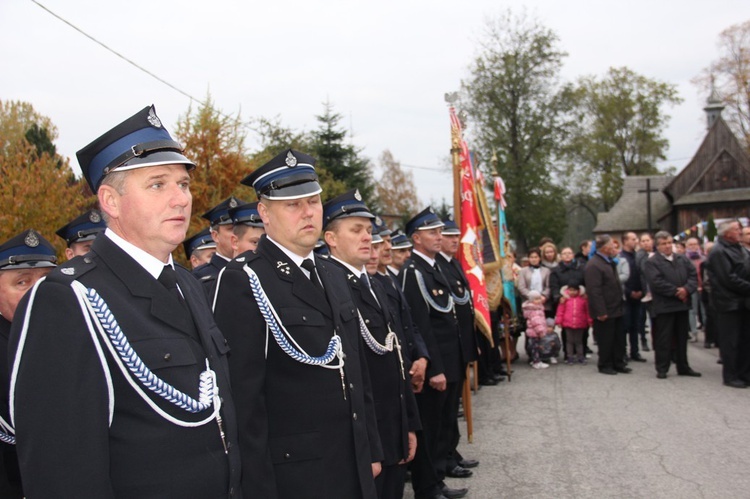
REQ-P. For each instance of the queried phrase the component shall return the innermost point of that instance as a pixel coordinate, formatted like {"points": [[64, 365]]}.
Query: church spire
{"points": [[714, 106]]}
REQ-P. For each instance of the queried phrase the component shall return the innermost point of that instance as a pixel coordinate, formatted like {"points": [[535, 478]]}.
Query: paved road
{"points": [[568, 431]]}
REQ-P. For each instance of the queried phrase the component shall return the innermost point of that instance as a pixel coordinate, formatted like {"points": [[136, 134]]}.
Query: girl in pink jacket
{"points": [[573, 316], [536, 327]]}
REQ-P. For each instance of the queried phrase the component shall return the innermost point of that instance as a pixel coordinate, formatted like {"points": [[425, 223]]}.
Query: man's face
{"points": [[629, 240], [566, 255], [428, 241], [351, 241], [746, 236], [693, 245], [153, 212], [647, 244], [200, 257], [664, 246], [399, 257], [679, 248], [247, 242], [14, 284], [608, 249], [385, 257], [222, 236], [734, 233], [77, 249], [449, 244], [374, 261], [293, 223]]}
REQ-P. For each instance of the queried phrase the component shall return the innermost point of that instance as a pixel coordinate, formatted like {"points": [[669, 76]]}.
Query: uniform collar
{"points": [[446, 256], [353, 270], [150, 263], [426, 258], [294, 257]]}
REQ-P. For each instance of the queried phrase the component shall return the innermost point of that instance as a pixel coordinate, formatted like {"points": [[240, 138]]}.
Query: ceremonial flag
{"points": [[470, 253]]}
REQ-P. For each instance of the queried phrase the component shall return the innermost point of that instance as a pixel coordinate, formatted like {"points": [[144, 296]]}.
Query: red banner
{"points": [[470, 252]]}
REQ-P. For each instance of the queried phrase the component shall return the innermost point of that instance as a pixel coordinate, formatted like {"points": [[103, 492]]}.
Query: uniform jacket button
{"points": [[287, 456], [354, 416], [167, 356]]}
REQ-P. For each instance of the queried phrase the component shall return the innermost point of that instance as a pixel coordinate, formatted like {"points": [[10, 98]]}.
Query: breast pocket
{"points": [[295, 316], [161, 353]]}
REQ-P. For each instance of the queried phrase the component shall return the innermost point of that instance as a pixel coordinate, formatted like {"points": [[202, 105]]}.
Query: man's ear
{"points": [[109, 201]]}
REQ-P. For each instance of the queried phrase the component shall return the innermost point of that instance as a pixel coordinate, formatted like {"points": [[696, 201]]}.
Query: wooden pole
{"points": [[467, 408]]}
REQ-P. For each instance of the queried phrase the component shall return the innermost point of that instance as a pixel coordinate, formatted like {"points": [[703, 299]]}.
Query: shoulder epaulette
{"points": [[71, 270]]}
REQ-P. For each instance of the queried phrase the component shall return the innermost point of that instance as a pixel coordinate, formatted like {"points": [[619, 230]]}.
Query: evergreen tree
{"points": [[344, 162]]}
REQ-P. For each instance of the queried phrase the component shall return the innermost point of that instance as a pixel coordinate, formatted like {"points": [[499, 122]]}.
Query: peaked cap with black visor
{"points": [[290, 175], [137, 142]]}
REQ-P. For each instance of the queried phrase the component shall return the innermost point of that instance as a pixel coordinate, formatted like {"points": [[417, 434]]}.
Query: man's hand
{"points": [[376, 469], [412, 448], [682, 294], [417, 371], [636, 295], [601, 318], [439, 382]]}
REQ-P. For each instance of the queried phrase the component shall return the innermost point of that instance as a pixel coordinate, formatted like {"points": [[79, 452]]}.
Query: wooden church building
{"points": [[715, 182]]}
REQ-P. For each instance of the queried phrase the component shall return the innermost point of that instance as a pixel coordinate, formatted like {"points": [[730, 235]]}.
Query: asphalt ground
{"points": [[570, 432]]}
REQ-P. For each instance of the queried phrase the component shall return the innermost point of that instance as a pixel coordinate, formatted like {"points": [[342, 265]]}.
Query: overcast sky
{"points": [[385, 65]]}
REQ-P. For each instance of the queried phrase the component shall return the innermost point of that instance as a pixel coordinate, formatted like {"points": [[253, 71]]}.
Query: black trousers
{"points": [[433, 441], [631, 324], [734, 344], [390, 482], [611, 343], [670, 338]]}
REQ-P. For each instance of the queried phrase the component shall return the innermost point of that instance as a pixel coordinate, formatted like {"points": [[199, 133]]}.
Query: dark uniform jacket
{"points": [[10, 478], [603, 288], [729, 272], [304, 432], [439, 329], [395, 405], [66, 444], [415, 345], [664, 277], [208, 272], [456, 277]]}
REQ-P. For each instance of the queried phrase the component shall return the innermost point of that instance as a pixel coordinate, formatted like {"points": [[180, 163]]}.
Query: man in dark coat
{"points": [[605, 306], [24, 259], [306, 415], [221, 226], [121, 379], [633, 290], [428, 294], [348, 226], [729, 273], [672, 279]]}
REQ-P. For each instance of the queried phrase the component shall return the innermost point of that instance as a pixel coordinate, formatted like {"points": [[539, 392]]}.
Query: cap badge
{"points": [[233, 203], [153, 119], [68, 270], [31, 240], [94, 217], [290, 161], [357, 195]]}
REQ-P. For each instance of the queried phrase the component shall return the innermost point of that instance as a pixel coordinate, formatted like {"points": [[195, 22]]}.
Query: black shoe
{"points": [[623, 370], [498, 377], [454, 493], [690, 372], [458, 472], [488, 382], [644, 346], [661, 375], [468, 463], [735, 383], [637, 358], [607, 370], [460, 413]]}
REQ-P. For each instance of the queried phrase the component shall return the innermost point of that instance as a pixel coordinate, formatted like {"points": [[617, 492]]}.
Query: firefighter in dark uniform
{"points": [[428, 293], [221, 232], [80, 233], [347, 223], [306, 414], [121, 378], [24, 259], [457, 466], [199, 248]]}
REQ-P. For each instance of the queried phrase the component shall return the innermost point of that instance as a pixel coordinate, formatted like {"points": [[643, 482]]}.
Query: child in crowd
{"points": [[573, 316], [536, 327]]}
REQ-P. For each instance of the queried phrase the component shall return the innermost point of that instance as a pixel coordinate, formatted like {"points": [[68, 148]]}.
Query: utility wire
{"points": [[129, 61]]}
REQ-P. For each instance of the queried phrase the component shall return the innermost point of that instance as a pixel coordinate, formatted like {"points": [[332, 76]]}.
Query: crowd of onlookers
{"points": [[637, 293]]}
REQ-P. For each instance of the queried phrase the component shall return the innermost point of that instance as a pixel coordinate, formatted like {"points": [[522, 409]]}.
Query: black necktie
{"points": [[168, 278], [309, 266]]}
